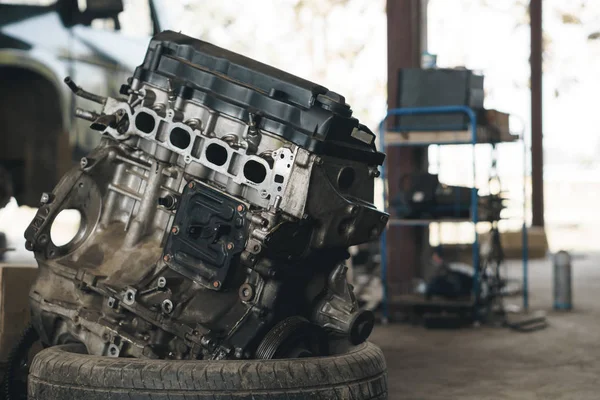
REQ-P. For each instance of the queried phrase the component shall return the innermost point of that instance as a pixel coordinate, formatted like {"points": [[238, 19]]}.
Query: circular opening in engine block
{"points": [[346, 178], [65, 227]]}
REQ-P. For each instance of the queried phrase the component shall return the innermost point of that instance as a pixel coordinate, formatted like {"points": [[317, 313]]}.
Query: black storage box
{"points": [[438, 87], [422, 196]]}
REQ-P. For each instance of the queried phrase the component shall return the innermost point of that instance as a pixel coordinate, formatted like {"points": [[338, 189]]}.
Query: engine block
{"points": [[216, 215]]}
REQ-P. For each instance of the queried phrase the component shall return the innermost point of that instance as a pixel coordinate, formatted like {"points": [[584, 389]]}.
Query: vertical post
{"points": [[525, 244], [537, 156], [404, 43]]}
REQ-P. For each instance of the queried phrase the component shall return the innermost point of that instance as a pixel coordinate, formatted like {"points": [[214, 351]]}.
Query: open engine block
{"points": [[216, 215]]}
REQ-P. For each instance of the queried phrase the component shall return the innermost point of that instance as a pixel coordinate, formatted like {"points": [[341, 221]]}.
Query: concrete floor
{"points": [[560, 362]]}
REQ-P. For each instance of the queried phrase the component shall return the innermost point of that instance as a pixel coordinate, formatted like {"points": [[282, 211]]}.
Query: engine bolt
{"points": [[175, 230], [216, 284], [229, 246], [113, 350], [246, 292], [239, 352], [240, 207], [191, 185], [43, 239], [167, 306], [162, 282], [111, 302], [205, 341], [167, 258], [45, 198]]}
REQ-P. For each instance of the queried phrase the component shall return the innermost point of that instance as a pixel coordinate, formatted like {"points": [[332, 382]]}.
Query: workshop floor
{"points": [[560, 362]]}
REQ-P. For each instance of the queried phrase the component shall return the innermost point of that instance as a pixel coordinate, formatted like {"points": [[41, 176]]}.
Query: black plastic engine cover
{"points": [[208, 233], [306, 114]]}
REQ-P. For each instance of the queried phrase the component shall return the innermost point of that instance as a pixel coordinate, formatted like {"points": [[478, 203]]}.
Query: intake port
{"points": [[255, 171], [180, 138], [145, 122], [216, 154]]}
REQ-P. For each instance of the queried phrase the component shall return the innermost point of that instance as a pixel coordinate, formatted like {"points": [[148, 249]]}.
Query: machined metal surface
{"points": [[219, 205]]}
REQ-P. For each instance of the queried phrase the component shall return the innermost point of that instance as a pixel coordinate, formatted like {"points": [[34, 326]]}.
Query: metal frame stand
{"points": [[473, 141]]}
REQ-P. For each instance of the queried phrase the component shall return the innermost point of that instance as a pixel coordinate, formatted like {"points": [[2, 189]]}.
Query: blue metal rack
{"points": [[472, 140]]}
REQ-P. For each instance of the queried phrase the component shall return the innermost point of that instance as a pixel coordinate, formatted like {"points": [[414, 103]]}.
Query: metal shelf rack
{"points": [[473, 136]]}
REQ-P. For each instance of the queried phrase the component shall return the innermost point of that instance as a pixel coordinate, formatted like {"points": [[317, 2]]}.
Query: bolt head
{"points": [[240, 208], [167, 258], [45, 198], [230, 246], [216, 284], [175, 230], [167, 306], [191, 185]]}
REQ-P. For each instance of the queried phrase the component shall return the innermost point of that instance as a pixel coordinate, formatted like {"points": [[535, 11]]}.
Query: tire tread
{"points": [[60, 372]]}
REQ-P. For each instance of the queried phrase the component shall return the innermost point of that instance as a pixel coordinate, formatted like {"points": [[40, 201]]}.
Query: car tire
{"points": [[65, 372]]}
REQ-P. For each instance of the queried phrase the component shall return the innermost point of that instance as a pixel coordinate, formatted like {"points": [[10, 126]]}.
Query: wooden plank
{"points": [[484, 135], [15, 282]]}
